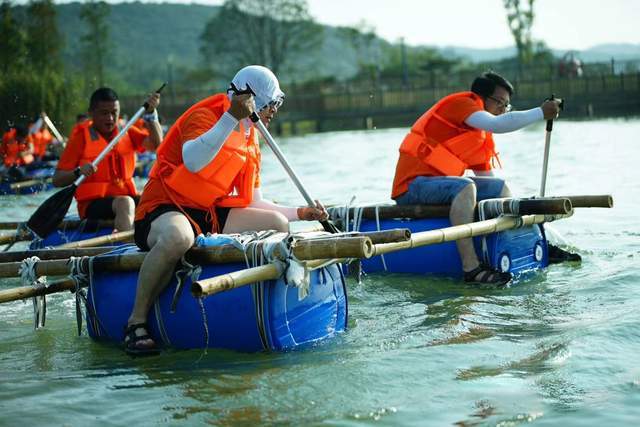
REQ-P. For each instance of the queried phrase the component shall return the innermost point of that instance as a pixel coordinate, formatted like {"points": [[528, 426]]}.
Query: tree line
{"points": [[280, 34]]}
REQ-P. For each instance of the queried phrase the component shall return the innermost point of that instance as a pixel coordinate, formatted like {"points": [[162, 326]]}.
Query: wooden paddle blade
{"points": [[50, 214]]}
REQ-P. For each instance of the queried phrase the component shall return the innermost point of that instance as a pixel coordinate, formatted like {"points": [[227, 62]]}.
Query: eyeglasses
{"points": [[506, 106], [274, 103]]}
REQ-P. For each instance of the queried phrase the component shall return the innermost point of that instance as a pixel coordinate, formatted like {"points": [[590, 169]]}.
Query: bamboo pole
{"points": [[24, 292], [121, 236], [594, 201], [16, 236], [464, 231], [548, 206], [47, 254], [68, 224], [23, 184], [341, 247], [236, 279], [385, 236]]}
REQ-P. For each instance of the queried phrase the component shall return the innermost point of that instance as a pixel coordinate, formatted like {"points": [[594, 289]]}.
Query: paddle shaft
{"points": [[118, 137], [281, 158], [49, 123], [545, 161]]}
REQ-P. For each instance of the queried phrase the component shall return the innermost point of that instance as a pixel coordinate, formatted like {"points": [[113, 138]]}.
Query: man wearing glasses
{"points": [[453, 136]]}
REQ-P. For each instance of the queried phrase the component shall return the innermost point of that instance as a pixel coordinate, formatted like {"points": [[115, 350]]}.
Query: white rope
{"points": [[29, 277], [81, 279], [384, 262]]}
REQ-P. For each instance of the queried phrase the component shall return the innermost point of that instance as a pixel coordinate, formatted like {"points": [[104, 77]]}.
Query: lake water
{"points": [[560, 348]]}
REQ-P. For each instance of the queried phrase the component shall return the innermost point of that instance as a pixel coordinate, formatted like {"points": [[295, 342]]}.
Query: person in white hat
{"points": [[206, 179]]}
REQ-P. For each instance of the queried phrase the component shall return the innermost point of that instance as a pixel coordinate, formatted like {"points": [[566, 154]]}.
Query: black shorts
{"points": [[143, 226], [103, 208]]}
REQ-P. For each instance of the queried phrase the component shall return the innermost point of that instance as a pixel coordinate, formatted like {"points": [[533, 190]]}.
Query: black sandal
{"points": [[485, 275], [132, 341]]}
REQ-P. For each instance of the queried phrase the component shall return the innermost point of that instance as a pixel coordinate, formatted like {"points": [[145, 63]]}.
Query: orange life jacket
{"points": [[468, 149], [115, 169], [16, 153], [228, 180], [41, 139]]}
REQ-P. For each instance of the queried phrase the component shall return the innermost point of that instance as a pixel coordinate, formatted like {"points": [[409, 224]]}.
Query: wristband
{"points": [[76, 172], [150, 117]]}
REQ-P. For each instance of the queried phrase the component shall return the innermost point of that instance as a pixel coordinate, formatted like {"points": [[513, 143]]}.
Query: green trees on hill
{"points": [[96, 46], [267, 32], [33, 77]]}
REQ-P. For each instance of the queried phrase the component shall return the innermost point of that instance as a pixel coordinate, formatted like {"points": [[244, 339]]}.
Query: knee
{"points": [[124, 205], [175, 241], [279, 222], [506, 192], [466, 195]]}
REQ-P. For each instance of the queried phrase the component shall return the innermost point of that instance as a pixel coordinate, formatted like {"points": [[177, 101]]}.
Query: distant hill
{"points": [[147, 37]]}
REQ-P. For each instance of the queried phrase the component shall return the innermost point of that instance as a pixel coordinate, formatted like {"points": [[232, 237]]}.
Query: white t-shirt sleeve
{"points": [[199, 152], [259, 203], [504, 123]]}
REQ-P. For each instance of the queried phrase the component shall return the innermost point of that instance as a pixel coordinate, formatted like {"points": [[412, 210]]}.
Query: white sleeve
{"points": [[504, 123], [259, 203], [197, 153]]}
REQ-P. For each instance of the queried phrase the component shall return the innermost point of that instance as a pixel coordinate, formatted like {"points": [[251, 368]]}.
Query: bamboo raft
{"points": [[253, 307]]}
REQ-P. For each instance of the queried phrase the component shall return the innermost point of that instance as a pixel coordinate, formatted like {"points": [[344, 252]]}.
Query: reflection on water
{"points": [[559, 347]]}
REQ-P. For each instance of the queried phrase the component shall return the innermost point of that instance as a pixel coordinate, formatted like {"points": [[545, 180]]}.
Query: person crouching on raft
{"points": [[206, 179], [109, 191], [456, 135]]}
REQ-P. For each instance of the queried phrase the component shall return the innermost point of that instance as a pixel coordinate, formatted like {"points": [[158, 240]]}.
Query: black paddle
{"points": [[53, 210]]}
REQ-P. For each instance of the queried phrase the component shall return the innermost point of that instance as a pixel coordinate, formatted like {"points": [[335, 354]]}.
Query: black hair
{"points": [[104, 94], [485, 84], [21, 131], [82, 116]]}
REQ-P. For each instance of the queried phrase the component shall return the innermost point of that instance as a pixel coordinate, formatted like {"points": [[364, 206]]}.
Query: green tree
{"points": [[95, 43], [367, 47], [265, 32], [12, 41], [520, 20], [44, 43]]}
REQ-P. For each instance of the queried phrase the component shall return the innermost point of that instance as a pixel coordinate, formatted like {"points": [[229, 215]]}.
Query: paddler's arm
{"points": [[199, 152], [306, 213], [512, 121], [152, 123]]}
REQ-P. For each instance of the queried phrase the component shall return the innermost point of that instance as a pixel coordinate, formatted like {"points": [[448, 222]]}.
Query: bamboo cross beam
{"points": [[594, 201], [236, 279], [68, 224], [121, 236], [24, 292], [464, 231], [340, 247], [22, 184], [47, 254]]}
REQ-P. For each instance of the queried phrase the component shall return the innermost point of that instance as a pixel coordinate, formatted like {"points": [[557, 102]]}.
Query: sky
{"points": [[562, 24]]}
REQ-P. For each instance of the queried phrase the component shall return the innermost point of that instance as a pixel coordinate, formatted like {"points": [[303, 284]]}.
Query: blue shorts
{"points": [[441, 190]]}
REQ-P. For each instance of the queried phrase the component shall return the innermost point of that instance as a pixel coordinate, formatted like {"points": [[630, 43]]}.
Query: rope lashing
{"points": [[81, 280], [29, 277]]}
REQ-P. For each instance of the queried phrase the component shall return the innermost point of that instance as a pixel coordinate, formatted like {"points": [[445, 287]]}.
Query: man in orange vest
{"points": [[206, 179], [109, 191], [453, 136], [16, 148]]}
